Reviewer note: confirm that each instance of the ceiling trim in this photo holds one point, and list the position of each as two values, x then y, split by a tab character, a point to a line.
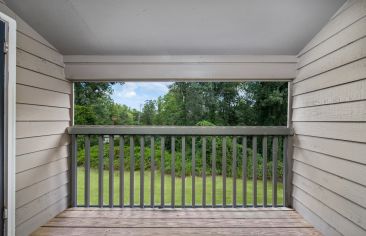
180	68
179	58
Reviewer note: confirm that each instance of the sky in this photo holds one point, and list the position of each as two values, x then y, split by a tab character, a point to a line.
133	94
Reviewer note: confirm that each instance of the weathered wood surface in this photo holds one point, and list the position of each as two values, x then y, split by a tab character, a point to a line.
177	231
248	221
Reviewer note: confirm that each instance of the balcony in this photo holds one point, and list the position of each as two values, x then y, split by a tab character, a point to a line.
185	193
304	179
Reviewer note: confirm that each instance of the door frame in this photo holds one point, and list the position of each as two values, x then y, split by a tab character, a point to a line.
9	124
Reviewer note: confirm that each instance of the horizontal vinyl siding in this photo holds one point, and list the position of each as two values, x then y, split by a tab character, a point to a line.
349	190
26	112
35	191
34	159
32	129
32	144
351	151
39	219
43	114
348	209
314	219
329	120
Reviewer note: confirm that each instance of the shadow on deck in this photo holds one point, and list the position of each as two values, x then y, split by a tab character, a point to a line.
206	221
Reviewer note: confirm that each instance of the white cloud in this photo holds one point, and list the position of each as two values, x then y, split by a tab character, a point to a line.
133	94
127	90
129	94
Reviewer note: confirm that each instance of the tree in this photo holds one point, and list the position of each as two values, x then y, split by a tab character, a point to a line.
87	93
148	113
269	101
93	103
188	103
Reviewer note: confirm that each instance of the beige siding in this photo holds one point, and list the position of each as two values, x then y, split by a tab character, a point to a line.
43	114
329	119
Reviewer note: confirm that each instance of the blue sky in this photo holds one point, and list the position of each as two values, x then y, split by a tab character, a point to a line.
133	94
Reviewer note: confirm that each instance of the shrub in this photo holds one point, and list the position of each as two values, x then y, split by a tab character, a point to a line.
94	160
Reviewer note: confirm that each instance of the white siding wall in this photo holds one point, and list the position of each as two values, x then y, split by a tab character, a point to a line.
329	118
43	114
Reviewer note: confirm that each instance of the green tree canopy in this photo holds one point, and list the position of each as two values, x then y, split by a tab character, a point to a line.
188	103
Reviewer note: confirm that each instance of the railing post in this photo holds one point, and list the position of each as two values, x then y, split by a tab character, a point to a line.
234	170
254	171
244	170
74	155
100	170
132	172
173	171
204	171
152	176
287	186
274	171
224	171
264	174
111	170
121	171
183	171
162	177
287	169
87	171
193	172
213	158
142	167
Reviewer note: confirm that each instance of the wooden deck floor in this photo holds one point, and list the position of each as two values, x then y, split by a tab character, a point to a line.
148	222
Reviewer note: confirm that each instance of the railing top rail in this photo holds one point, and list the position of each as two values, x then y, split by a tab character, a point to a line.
181	130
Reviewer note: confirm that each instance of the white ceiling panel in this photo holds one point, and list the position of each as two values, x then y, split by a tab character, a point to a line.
177	27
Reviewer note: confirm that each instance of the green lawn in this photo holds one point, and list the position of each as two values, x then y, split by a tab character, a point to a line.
167	189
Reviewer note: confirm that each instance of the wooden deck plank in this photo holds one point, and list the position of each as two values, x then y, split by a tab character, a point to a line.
178	221
181	209
180	214
47	231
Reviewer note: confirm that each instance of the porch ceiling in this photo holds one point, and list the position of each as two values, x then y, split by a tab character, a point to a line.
176	27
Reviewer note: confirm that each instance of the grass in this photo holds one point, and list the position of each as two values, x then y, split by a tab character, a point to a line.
168	187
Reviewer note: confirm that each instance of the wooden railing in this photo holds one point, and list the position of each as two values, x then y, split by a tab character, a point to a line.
234	149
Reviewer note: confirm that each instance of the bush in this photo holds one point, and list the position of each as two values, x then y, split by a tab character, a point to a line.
94	160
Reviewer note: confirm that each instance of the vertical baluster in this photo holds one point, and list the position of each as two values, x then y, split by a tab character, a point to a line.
204	171
213	171
132	171
287	167
142	167
274	171
254	171
264	174
111	170
100	170
173	171
152	180
193	171
183	171
224	171
244	170
87	171
121	171
74	187
284	171
234	171
162	172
